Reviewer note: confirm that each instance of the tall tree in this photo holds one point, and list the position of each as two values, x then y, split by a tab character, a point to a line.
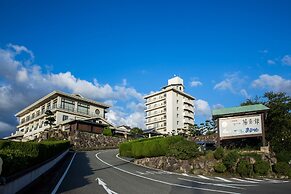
278	122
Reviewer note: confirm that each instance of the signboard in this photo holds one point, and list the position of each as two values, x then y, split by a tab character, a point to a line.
240	126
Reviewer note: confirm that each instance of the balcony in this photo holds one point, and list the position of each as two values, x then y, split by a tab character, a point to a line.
156	100
190	102
188	114
66	109
155	121
156	114
156	106
188	108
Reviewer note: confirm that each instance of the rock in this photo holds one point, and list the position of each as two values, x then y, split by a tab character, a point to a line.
252	160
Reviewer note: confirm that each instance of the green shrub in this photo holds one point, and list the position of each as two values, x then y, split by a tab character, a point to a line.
244	168
261	167
218	153
149	147
283	156
230	160
282	168
22	155
220	168
256	156
184	150
107	131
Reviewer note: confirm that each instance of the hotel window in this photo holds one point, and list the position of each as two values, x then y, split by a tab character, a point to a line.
32	116
22	120
42	109
37	113
68	104
65	117
177	122
83	108
48	107
27	118
177	115
55	103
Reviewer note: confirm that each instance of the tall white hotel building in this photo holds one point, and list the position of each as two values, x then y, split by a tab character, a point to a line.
170	110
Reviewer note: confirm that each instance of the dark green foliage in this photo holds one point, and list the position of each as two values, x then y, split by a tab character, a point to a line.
18	156
244	168
148	147
136	131
282	168
184	150
261	167
278	122
218	153
220	168
230	160
283	156
256	156
107	131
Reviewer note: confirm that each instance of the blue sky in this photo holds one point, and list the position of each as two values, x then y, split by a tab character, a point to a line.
118	51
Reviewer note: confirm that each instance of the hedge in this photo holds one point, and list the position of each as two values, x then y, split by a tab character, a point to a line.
150	147
262	167
244	168
220	168
230	160
282	168
184	150
18	156
218	153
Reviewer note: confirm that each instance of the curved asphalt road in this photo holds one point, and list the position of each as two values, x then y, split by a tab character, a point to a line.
105	172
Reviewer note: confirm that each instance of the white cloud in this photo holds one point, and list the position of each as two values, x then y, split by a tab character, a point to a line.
19	49
195	83
119	117
286	60
224	85
136	107
217	106
202	108
232	82
271	62
245	94
273	83
265	51
21	83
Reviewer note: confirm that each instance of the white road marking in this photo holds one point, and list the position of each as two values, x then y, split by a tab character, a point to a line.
163	182
275	181
256	180
103	184
225	180
213	184
62	178
242	180
204	177
140	172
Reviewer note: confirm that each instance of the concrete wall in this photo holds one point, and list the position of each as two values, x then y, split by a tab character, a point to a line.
21	182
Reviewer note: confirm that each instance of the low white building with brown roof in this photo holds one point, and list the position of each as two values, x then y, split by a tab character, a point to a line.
63	106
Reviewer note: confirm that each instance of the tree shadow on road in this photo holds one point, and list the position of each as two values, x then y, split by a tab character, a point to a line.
78	175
